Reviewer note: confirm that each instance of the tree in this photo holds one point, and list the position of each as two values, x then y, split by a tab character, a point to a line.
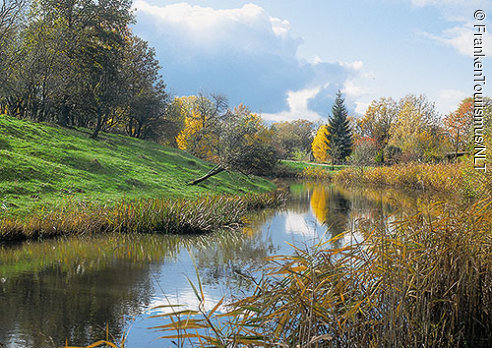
417	130
377	121
245	145
365	152
70	70
146	98
202	117
293	138
339	130
458	125
321	144
11	15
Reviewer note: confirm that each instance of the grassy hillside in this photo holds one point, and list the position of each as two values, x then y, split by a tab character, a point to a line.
43	166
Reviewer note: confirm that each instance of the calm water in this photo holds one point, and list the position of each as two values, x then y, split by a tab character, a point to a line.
72	289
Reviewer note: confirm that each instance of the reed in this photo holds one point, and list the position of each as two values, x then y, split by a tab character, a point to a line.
179	216
422	281
315	173
456	177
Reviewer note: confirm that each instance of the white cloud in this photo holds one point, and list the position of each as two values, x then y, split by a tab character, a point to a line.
353	90
243	53
462	39
280	27
449	99
357	65
297	107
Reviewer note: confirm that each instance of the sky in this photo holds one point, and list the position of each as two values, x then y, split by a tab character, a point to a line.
286	59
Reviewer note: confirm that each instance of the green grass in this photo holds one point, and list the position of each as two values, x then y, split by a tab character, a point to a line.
299	166
44	166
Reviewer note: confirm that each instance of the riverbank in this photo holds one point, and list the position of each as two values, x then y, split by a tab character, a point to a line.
172	216
56	181
45	167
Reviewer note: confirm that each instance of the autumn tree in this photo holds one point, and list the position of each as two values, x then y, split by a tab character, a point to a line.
293	138
339	130
417	130
321	144
459	124
377	122
245	144
202	116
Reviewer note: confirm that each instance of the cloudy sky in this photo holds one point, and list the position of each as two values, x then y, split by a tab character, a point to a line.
287	58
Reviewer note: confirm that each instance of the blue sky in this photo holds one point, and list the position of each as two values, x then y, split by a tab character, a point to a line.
287	58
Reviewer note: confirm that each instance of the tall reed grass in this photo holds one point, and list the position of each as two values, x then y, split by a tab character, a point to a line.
180	216
422	281
455	177
314	173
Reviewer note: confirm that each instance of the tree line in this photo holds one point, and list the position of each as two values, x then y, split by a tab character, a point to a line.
77	63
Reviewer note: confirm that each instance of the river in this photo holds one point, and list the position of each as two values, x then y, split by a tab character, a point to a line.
71	290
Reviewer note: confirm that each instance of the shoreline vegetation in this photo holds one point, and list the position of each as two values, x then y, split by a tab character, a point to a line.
172	216
419	281
457	178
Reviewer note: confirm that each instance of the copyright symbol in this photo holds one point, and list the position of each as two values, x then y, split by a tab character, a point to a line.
479	15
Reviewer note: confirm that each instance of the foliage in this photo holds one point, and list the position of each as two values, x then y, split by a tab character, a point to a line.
293	138
76	63
340	143
202	116
246	143
315	173
377	122
364	152
321	144
417	130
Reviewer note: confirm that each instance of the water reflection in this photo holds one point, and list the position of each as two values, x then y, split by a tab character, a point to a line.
72	288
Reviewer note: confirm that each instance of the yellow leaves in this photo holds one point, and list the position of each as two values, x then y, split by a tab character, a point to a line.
193	123
320	144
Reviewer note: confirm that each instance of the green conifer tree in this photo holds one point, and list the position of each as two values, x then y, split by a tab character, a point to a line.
339	130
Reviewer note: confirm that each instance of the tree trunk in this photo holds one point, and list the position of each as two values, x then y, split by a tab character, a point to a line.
214	171
98	125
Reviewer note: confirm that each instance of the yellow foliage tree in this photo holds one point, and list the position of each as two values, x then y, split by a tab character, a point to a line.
321	143
196	136
416	130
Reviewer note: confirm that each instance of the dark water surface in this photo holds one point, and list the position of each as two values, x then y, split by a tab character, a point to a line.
72	289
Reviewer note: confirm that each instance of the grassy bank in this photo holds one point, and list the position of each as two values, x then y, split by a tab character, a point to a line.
47	167
176	216
449	178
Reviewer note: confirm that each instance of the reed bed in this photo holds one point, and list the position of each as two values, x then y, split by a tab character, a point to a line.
436	177
180	216
422	281
313	173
